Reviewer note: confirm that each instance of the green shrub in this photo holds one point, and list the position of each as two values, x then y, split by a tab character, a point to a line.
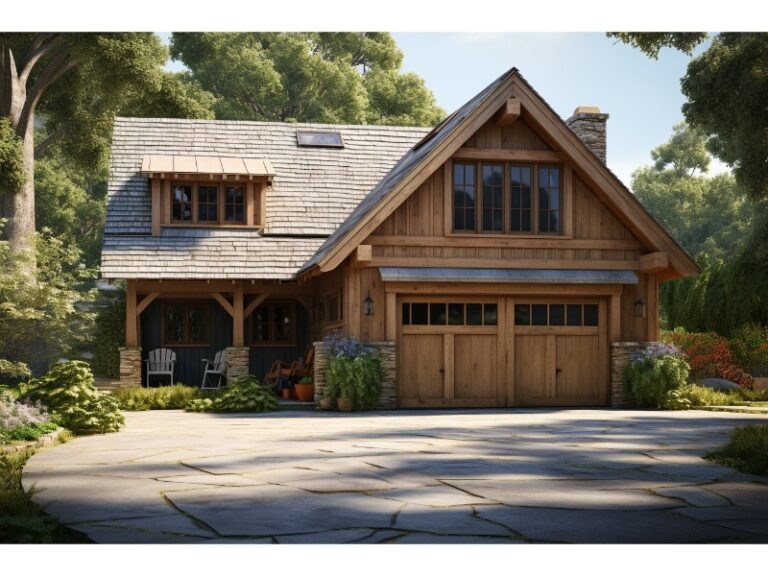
749	347
653	375
69	393
245	394
747	449
109	335
27	432
703	396
174	397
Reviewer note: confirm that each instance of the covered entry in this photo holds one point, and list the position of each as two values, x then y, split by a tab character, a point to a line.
521	344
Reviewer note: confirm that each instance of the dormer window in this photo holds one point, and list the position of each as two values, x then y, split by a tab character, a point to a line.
207	191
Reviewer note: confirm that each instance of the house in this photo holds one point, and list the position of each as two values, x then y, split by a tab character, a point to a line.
495	259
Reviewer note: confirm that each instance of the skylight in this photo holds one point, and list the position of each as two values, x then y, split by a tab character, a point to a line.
319	139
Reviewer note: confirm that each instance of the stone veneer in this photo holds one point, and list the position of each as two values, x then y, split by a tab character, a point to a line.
590	125
130	366
621	354
388	397
237	362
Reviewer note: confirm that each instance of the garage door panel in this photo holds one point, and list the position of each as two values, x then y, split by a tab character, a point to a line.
475	366
534	367
578	377
422	367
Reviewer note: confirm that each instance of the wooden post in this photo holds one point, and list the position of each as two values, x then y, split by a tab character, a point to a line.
238	336
131	317
353	302
614	331
391	317
157	207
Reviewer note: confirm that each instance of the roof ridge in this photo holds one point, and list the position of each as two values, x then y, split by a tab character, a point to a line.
255	123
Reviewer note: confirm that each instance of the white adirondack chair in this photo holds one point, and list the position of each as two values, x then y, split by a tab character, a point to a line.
215	367
161	361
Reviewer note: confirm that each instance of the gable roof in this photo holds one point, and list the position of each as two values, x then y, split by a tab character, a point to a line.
418	163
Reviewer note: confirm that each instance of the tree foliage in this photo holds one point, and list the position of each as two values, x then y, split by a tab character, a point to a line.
12	174
725	87
307	77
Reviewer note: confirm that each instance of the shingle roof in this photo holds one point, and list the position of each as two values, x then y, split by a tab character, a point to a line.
314	189
180	253
407	163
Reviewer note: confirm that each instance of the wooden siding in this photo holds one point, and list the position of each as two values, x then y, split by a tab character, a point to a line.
516	136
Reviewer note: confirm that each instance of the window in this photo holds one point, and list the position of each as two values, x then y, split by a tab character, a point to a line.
274	324
512	198
333	306
234	204
463	196
210	203
207	204
182	203
308	139
185	324
451	314
556	315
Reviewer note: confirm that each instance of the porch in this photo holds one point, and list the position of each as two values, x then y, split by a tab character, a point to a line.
256	322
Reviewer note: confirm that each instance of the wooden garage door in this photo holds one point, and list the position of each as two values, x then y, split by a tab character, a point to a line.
449	353
560	358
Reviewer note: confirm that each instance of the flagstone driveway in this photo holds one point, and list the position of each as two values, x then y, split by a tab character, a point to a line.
469	476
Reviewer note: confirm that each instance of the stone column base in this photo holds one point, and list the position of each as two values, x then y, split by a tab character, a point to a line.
238	360
130	366
621	354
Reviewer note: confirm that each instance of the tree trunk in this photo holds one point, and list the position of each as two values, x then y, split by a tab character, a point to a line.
19	206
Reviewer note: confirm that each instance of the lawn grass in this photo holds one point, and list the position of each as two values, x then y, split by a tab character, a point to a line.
21	520
703	396
747	450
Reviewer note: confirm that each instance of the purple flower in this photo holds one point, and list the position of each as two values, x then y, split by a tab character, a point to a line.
655	350
339	345
14	413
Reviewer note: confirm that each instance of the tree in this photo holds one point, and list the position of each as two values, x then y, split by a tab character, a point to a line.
725	87
706	215
307	77
77	83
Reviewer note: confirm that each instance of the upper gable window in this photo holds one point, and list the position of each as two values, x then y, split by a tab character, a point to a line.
513	199
312	139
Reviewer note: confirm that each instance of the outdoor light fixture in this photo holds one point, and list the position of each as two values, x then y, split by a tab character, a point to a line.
640	309
368	305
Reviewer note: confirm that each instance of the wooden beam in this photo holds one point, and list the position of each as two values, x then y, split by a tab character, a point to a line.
157	207
508	155
352	301
424	262
614	330
391	317
250	201
654	262
166	201
509	112
148	299
238	321
224	303
508	241
253	304
362	255
131	317
652	308
573	291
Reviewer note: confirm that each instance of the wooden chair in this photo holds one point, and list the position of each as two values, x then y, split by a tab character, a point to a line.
215	367
161	361
295	370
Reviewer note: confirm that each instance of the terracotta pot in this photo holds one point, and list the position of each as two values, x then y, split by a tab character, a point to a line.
759	383
344	404
305	392
286	393
293	394
326	403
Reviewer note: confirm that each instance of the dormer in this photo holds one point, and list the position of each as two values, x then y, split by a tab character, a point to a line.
207	191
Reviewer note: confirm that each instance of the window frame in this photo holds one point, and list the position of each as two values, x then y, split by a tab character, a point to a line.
507	232
271	342
253	203
204	305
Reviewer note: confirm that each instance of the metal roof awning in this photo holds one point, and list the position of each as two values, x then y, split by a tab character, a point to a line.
473	275
210	165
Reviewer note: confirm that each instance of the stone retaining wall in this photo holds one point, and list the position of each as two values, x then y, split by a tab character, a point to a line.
237	362
388	397
130	366
621	354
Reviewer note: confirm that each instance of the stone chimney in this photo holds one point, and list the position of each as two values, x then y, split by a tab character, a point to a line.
589	124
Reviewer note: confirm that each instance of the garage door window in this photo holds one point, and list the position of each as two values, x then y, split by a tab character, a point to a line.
452	314
556	315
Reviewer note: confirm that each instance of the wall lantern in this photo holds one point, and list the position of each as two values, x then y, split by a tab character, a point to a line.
368	305
639	309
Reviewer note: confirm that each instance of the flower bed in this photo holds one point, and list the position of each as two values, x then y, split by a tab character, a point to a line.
20	420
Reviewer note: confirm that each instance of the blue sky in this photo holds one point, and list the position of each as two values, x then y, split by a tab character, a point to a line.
641	95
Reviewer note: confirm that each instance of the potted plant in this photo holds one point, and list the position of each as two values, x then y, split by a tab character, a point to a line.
326	403
354	373
305	389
